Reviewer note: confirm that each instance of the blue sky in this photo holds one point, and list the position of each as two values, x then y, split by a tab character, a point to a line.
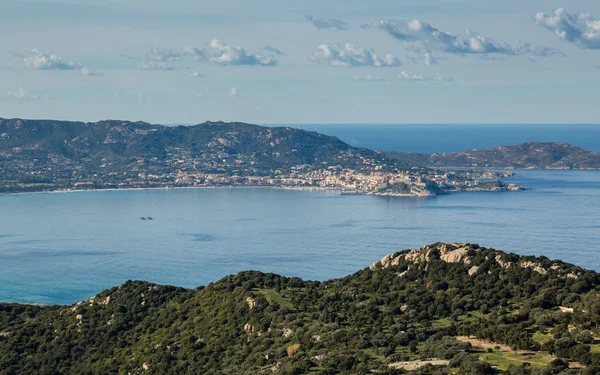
326	61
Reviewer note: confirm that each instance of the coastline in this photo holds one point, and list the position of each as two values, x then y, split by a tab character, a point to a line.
66	191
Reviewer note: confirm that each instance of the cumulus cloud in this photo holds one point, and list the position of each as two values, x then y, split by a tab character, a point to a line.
90	73
470	43
169	54
406	76
580	29
155	65
216	52
368	77
41	61
348	56
331	23
417	31
234	93
21	94
424	55
226	54
38	60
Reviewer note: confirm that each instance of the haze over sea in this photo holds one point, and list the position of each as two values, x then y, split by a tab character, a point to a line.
61	248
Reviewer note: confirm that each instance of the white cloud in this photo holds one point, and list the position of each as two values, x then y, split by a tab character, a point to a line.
236	94
155	65
21	94
331	23
91	73
368	77
226	54
439	77
216	52
41	61
580	29
417	31
349	56
406	76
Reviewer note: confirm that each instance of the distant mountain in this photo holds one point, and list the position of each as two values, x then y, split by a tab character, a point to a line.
121	144
460	307
534	155
56	154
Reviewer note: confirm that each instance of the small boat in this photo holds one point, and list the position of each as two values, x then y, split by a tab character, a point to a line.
150	218
143	218
349	192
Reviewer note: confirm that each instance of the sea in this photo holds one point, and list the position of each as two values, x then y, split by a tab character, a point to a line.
61	248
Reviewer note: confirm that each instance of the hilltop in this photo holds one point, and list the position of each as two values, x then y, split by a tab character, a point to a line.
532	155
47	155
460	307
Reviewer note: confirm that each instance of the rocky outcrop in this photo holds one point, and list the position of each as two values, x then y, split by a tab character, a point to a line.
251	302
464	253
451	253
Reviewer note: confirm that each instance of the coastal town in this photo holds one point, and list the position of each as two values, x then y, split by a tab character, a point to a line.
125	155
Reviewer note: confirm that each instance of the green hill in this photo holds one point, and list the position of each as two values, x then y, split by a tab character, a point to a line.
438	302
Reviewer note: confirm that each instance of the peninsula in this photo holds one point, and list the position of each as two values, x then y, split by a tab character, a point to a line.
47	155
529	155
441	309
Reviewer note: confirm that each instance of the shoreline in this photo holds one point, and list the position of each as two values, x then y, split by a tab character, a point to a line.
66	191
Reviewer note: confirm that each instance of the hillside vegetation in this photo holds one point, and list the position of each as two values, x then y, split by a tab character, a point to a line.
425	311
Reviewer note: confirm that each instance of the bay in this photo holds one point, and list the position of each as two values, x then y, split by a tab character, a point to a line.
66	247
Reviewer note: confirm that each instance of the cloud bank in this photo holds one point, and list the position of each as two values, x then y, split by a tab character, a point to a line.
471	43
580	29
331	23
349	56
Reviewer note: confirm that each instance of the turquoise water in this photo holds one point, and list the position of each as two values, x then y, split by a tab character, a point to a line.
65	247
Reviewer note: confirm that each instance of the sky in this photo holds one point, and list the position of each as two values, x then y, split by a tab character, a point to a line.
309	61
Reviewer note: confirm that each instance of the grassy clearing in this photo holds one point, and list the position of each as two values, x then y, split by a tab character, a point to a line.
503	359
272	295
595	348
541	338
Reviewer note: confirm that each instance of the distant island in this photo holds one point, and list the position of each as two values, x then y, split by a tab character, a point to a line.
48	155
442	309
529	155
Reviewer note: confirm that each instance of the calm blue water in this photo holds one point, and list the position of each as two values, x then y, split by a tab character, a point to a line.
61	248
451	138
